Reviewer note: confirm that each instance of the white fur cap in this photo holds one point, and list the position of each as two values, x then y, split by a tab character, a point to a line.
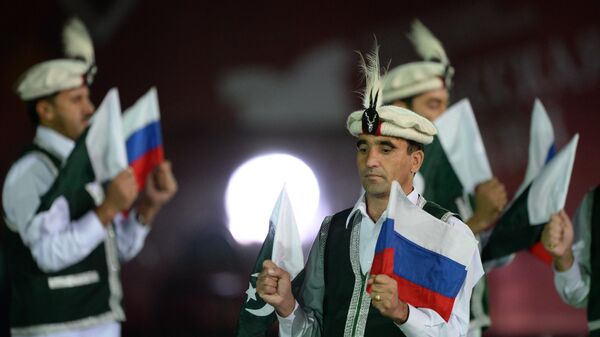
50	77
396	122
415	78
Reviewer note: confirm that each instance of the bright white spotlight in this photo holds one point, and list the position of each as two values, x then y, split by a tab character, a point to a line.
254	187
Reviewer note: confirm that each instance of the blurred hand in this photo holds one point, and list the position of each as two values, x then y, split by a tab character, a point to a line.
160	185
490	200
557	238
274	286
120	195
159	189
384	297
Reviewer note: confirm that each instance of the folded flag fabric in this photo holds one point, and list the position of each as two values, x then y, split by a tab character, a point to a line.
427	257
141	127
283	246
456	162
519	226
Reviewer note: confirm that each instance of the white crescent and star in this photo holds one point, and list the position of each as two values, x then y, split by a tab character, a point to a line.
266	310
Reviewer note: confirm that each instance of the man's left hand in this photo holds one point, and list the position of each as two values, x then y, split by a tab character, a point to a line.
159	189
384	297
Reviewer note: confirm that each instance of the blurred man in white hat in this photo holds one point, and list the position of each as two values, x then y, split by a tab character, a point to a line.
334	299
60	261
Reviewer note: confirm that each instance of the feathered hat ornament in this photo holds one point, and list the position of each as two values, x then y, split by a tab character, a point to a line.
430	48
78	67
78	44
385	120
372	94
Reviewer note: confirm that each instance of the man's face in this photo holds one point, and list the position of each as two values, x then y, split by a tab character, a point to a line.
68	113
430	105
381	160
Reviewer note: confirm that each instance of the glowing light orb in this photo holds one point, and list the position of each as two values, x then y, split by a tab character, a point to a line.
254	188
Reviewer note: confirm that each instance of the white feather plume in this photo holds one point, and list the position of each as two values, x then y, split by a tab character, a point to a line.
371	71
77	41
426	44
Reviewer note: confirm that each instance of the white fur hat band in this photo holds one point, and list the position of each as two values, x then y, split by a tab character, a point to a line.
391	121
53	76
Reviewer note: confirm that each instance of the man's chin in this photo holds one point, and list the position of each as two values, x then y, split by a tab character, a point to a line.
378	189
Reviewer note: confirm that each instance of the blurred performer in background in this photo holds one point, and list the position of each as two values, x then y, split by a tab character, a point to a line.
575	252
64	272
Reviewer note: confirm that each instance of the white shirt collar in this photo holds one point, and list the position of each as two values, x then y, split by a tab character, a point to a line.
54	142
361	205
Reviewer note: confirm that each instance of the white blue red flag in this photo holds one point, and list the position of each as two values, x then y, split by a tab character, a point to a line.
143	137
427	257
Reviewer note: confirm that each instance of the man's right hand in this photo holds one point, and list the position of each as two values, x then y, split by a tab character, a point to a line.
120	194
557	238
490	200
274	287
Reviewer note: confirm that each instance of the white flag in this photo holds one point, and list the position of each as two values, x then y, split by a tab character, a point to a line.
460	137
287	247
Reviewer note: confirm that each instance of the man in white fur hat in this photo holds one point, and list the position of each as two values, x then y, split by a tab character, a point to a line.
334	301
64	273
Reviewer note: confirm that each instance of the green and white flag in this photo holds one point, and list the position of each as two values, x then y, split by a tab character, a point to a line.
99	155
283	246
542	149
519	226
456	162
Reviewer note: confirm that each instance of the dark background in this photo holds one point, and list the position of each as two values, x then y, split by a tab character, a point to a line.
237	79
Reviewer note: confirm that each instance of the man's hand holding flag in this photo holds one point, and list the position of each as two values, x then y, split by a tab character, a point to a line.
279	267
426	257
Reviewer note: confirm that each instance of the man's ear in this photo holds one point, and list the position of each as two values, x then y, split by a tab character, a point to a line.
417	160
45	111
400	103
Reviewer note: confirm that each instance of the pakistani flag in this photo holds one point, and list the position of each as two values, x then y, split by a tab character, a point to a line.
519	226
455	162
542	148
283	246
98	156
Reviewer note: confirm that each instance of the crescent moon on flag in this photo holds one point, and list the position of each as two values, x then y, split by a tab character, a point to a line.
266	310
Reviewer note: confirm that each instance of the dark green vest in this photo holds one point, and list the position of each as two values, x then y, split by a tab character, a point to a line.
48	302
593	309
339	280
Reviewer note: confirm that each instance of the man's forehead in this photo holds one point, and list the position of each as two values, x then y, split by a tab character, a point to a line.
75	91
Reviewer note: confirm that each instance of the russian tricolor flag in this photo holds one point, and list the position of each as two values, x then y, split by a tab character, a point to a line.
141	127
427	257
